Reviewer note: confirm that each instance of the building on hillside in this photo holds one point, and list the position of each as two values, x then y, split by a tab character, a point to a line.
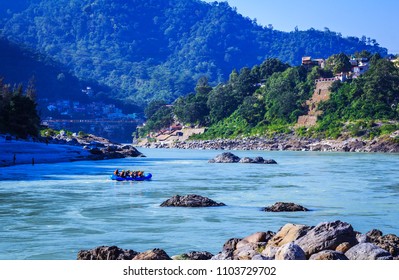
343	76
308	62
359	66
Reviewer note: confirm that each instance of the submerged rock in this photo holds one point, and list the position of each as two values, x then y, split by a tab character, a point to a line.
285	207
191	200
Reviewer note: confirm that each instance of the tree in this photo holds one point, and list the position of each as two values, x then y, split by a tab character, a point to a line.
252	109
193	107
162	118
153	107
221	103
284	95
338	63
18	114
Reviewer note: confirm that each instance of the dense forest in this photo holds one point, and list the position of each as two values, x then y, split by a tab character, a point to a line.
144	50
268	98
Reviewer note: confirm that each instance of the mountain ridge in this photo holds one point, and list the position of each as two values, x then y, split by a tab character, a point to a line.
145	50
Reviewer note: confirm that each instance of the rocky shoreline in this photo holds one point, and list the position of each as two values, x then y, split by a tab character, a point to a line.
385	144
99	148
334	240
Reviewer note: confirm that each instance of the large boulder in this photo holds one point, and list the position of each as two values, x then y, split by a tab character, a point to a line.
256	238
248	251
247	160
225	158
191	200
194	256
106	253
154	254
389	242
367	251
224	255
284	207
231	244
270	252
326	236
343	247
290	251
328	255
252	245
288	234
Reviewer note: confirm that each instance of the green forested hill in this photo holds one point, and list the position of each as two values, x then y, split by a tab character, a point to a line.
268	99
156	49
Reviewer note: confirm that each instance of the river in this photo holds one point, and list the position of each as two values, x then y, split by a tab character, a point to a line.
51	211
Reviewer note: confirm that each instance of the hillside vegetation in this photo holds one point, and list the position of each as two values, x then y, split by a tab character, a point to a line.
154	49
268	98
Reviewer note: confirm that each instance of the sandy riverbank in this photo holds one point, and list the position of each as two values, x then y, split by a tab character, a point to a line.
16	152
25	152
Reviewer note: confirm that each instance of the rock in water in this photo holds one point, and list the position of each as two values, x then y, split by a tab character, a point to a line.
225	158
257	160
106	253
191	200
231	158
285	207
247	160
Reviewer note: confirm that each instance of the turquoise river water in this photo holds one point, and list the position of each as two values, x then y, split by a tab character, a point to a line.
51	211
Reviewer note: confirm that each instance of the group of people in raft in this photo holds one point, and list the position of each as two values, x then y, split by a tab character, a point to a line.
129	174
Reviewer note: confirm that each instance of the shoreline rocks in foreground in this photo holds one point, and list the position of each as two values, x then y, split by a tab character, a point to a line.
335	240
228	157
191	200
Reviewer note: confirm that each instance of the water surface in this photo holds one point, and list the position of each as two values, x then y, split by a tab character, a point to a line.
51	211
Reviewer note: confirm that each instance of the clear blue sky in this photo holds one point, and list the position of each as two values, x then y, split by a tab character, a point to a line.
375	19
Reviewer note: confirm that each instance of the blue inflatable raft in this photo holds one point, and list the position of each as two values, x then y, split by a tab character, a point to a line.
146	177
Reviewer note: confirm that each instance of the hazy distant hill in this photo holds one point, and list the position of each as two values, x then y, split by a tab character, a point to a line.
146	49
52	80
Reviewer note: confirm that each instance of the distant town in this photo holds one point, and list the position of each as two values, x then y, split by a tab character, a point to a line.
94	117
